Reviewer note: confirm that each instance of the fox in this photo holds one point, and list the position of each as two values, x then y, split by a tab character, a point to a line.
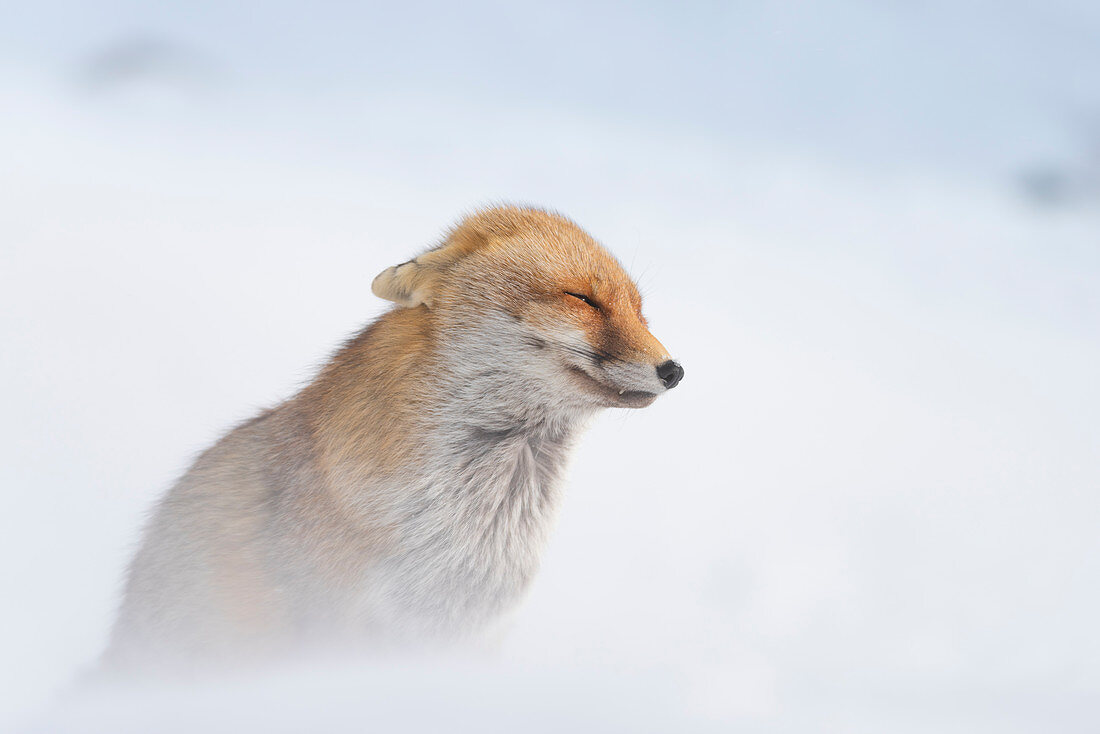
404	496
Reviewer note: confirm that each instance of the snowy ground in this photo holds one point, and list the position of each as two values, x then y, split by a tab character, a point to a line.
872	505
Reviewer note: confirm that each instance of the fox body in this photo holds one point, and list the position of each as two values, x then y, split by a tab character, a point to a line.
406	493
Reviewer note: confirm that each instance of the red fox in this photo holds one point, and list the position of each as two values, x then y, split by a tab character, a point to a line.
406	493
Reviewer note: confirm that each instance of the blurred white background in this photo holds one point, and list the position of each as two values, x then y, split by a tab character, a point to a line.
871	233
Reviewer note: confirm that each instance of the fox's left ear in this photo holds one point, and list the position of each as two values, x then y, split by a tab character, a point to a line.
408	284
415	282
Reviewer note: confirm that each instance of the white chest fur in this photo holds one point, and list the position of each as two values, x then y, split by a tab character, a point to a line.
472	528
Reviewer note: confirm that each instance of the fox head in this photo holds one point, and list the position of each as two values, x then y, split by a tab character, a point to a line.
525	304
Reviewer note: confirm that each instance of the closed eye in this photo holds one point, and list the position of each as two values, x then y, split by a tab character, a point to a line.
586	299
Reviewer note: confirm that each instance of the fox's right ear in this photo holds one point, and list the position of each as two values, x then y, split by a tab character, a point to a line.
415	282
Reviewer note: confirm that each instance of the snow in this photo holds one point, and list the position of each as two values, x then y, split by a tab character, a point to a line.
871	505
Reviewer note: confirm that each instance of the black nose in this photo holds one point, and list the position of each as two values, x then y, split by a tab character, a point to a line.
670	373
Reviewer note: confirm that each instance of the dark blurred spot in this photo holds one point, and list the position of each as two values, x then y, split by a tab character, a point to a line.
1047	186
1074	179
147	59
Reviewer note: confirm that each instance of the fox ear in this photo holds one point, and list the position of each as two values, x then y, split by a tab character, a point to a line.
415	282
408	284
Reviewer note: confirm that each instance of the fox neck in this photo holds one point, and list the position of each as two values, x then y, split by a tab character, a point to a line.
410	397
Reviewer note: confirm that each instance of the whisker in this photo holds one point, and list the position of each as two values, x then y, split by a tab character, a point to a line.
589	353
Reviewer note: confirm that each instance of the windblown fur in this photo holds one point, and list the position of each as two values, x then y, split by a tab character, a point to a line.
403	496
